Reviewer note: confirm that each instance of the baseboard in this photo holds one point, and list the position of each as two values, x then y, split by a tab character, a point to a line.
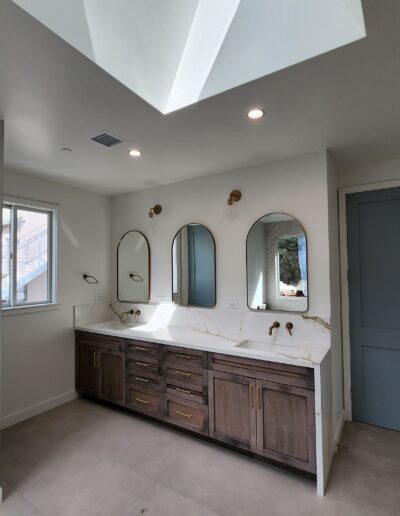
339	429
38	408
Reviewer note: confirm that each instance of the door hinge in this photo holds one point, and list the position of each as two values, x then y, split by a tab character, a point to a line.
345	216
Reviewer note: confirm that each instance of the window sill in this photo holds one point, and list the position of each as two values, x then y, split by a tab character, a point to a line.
29	309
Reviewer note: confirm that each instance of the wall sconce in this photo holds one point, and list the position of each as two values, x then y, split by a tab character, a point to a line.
234	196
155	210
90	279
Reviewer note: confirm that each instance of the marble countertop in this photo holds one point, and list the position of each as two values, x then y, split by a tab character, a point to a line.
290	352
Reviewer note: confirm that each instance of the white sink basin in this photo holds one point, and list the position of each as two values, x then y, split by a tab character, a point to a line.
116	325
262	346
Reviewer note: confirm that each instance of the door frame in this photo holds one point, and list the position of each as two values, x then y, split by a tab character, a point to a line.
343	192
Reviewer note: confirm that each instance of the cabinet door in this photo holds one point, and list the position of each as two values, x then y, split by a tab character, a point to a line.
232	409
285	424
112	376
87	376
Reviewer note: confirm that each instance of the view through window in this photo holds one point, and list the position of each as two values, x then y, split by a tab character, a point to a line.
26	256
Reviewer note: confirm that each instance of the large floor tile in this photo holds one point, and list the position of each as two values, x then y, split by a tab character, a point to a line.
92	488
159	501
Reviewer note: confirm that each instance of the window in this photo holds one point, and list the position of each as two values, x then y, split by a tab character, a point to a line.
27	255
292	260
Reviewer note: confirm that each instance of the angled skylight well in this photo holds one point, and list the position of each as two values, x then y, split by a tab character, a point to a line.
245	40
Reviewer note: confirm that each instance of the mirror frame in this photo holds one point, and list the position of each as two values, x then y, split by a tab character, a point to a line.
149	265
215	268
247	268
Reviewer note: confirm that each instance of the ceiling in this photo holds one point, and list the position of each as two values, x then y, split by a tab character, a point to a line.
52	96
177	52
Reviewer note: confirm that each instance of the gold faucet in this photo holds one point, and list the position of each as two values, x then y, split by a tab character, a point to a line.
275	324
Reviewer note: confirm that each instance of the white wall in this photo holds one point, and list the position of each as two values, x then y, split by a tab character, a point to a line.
369	173
297	186
335	293
38	348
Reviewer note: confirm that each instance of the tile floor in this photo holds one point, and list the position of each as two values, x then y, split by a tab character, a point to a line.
85	458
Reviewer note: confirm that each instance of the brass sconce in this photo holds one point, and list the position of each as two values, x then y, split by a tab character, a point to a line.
156	210
234	196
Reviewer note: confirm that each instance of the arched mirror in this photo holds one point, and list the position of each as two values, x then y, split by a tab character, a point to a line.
193	267
277	264
133	270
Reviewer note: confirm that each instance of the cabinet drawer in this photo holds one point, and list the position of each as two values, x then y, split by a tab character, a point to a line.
148	402
101	341
187	415
262	370
146	365
146	381
143	349
182	357
195	394
184	377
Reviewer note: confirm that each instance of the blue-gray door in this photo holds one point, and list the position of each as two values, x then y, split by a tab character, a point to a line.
373	224
201	261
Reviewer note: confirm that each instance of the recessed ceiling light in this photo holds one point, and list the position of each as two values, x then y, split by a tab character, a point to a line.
253	114
135	153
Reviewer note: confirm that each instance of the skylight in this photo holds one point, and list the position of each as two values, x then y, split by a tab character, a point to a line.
173	53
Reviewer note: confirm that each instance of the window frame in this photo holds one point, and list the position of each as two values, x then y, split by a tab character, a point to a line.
51	211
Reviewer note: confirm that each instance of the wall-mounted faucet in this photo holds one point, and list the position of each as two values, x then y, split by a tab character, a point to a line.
276	325
289	327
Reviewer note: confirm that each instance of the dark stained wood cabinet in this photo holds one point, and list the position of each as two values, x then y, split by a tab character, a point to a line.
111	366
232	409
100	367
285	424
87	378
261	407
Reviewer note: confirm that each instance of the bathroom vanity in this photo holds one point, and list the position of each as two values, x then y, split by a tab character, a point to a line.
259	400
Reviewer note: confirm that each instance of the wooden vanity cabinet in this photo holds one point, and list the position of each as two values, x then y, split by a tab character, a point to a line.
286	425
100	367
265	408
232	409
261	407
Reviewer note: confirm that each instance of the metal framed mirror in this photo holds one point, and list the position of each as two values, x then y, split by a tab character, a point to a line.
133	268
193	267
277	272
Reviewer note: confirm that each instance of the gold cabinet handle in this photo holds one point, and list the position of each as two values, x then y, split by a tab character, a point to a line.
143	364
143	401
181	355
183	414
259	398
182	373
144	380
186	391
140	348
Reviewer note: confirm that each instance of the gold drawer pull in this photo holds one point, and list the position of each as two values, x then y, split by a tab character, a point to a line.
182	373
189	416
144	380
142	364
140	348
180	355
143	401
186	391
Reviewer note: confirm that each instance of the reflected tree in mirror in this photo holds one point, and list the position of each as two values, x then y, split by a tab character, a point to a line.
193	267
133	280
277	277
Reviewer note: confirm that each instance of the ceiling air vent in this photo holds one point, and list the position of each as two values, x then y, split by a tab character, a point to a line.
106	139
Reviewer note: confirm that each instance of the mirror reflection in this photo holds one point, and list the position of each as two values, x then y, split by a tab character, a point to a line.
277	264
133	281
193	267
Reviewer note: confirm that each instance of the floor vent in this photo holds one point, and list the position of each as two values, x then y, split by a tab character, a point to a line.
106	139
